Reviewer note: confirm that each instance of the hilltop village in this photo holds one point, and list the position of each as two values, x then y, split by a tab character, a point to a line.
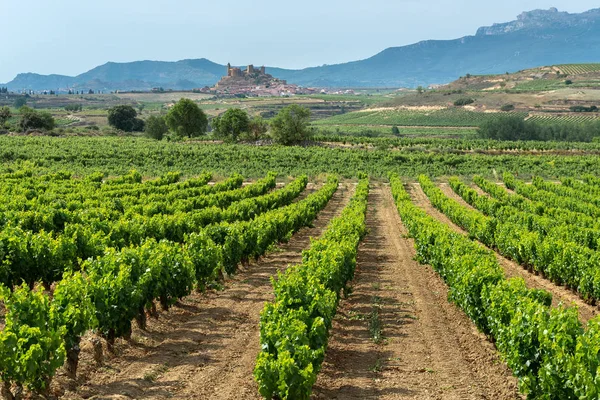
254	82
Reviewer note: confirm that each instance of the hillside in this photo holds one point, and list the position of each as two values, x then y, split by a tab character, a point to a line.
540	37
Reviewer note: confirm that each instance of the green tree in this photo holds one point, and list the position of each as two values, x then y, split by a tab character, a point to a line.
124	117
258	127
291	125
5	114
395	130
20	101
156	127
32	119
187	119
231	124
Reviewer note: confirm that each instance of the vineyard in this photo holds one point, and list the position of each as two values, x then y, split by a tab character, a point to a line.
299	285
562	118
575	69
448	117
437	157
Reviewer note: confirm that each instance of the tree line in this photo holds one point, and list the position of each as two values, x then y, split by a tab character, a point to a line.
515	128
186	120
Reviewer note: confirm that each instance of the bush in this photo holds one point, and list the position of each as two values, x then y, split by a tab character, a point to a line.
156	127
568	82
123	117
395	131
583	109
20	102
32	119
507	107
73	107
463	101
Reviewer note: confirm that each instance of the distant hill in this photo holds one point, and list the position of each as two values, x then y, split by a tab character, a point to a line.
540	37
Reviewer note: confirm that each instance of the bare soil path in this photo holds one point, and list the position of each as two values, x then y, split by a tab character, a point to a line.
206	347
512	269
429	348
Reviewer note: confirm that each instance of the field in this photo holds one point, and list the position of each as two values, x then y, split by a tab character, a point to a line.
575	69
562	118
436	116
367	263
157	283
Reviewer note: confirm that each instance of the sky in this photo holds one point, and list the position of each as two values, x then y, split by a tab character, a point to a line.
69	37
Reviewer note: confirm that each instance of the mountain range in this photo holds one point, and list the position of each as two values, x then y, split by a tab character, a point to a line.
535	38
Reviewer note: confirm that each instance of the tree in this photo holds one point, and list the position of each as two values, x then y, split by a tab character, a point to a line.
420	89
395	130
5	114
20	101
231	124
32	119
156	127
258	127
290	125
187	119
123	117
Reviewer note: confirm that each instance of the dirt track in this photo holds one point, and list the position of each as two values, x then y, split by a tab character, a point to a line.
560	294
429	350
206	347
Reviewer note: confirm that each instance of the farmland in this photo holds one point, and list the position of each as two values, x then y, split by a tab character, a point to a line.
365	262
445	117
153	261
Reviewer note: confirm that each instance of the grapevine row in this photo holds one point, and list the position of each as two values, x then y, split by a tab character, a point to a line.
547	349
121	285
294	328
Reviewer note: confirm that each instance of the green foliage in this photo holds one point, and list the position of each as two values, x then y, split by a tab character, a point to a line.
32	119
156	127
73	107
515	128
124	117
31	343
258	127
187	119
546	348
291	125
294	328
507	107
395	131
5	114
20	102
233	123
451	116
463	101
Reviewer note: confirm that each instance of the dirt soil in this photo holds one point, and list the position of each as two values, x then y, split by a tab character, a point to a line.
429	349
560	294
206	346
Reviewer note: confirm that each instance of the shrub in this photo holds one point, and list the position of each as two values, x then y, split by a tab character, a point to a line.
463	101
507	107
32	119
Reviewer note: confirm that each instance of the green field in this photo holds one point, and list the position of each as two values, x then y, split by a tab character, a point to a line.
565	118
451	117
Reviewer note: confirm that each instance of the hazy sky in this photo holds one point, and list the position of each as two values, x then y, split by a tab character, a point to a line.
72	36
